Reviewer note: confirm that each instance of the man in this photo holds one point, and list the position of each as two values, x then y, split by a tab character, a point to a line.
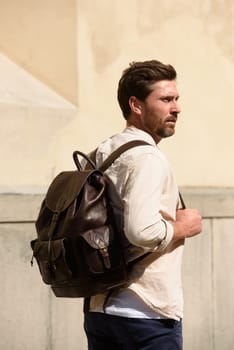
147	314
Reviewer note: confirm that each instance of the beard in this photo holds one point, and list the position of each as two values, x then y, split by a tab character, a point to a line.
157	128
164	132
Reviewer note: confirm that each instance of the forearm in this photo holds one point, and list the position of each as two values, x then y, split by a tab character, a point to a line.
152	237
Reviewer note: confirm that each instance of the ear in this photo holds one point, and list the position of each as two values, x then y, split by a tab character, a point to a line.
135	105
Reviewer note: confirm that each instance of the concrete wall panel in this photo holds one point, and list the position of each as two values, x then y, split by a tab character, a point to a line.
223	283
24	303
198	291
33	318
67	324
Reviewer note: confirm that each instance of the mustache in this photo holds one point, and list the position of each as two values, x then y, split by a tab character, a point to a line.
172	118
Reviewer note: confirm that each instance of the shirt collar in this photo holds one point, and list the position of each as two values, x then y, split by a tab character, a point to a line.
142	135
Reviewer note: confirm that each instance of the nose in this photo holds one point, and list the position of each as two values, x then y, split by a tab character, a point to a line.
175	107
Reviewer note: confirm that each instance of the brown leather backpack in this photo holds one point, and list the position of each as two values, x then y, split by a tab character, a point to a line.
81	249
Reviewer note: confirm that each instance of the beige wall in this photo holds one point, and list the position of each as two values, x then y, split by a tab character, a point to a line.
76	51
197	37
40	36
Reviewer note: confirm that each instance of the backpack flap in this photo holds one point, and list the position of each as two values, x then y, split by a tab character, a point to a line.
97	258
70	205
65	188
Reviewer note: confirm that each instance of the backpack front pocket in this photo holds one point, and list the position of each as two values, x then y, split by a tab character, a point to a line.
53	260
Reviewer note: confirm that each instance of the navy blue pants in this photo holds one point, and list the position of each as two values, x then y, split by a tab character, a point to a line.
107	332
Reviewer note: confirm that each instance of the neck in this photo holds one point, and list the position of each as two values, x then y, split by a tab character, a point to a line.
156	138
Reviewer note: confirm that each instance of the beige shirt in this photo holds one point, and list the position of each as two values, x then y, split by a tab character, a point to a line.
147	185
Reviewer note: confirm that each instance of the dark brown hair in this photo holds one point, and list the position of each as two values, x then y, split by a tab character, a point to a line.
137	80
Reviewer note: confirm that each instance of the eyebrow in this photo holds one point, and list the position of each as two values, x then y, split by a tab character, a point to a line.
171	97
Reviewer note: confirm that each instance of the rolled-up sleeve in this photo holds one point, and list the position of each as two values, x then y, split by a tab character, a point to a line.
144	225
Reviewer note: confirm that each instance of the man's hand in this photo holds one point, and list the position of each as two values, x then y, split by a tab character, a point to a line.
188	223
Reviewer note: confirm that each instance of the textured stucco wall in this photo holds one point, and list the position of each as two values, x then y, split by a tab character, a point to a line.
41	37
77	50
197	38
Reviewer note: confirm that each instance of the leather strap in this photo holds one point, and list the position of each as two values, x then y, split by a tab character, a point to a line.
126	146
114	155
183	206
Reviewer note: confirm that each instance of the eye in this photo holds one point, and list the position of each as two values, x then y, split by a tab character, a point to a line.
166	99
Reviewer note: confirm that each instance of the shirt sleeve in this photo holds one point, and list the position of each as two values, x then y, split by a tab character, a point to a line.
144	225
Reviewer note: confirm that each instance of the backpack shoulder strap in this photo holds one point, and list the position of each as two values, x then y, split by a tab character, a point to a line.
114	155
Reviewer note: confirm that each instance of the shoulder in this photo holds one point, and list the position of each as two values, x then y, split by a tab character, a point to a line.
129	134
129	157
